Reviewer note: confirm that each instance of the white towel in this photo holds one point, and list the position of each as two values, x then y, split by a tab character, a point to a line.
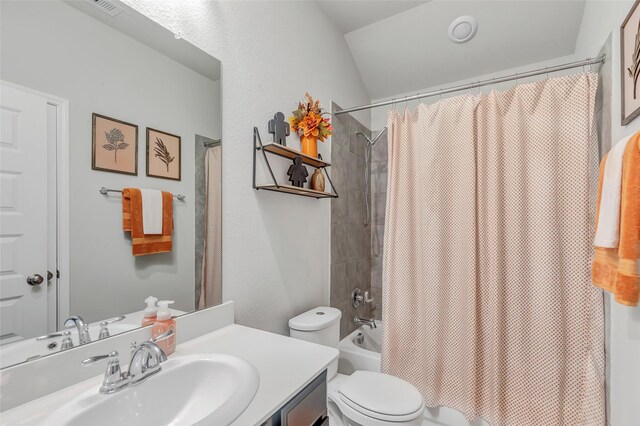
151	211
608	232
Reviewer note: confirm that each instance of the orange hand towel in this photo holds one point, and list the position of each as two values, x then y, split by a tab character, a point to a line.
132	222
618	269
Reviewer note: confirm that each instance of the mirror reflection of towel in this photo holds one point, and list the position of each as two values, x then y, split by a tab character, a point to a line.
151	211
132	221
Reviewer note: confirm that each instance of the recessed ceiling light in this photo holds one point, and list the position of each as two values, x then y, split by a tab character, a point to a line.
462	29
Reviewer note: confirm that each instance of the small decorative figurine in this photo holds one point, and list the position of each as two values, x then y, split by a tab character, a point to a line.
279	128
317	181
297	172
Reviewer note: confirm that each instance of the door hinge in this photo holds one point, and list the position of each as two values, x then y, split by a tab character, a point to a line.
57	274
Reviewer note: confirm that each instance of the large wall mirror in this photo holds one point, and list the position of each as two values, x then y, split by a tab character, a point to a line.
97	98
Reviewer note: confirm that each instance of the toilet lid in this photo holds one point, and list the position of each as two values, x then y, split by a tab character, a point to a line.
381	396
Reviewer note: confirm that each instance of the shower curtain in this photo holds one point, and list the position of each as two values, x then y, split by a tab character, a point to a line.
211	287
487	300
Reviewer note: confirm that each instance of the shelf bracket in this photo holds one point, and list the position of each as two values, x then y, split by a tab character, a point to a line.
257	140
333	188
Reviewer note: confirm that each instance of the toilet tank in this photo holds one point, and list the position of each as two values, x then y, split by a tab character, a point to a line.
320	325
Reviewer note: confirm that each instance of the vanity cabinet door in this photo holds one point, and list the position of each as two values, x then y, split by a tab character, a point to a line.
307	408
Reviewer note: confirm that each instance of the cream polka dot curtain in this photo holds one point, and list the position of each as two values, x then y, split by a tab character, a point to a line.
487	300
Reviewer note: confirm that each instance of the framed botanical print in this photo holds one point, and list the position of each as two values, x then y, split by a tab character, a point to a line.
114	145
163	154
630	64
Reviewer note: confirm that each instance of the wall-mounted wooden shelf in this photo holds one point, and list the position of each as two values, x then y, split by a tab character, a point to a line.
283	151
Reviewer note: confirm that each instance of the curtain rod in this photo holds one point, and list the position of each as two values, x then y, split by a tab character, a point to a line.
473	85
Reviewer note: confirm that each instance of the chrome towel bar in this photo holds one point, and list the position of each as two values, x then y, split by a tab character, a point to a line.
104	191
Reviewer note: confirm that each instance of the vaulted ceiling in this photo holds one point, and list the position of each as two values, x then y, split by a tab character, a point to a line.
402	46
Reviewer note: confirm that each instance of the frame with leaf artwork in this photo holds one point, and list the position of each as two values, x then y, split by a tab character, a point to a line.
630	65
163	154
114	145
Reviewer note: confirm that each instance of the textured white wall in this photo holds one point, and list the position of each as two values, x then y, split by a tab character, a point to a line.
275	246
601	19
54	48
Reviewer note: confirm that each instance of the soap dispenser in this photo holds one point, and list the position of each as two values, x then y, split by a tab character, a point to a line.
150	312
165	322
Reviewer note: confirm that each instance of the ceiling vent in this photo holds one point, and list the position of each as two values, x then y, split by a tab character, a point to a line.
108	7
462	29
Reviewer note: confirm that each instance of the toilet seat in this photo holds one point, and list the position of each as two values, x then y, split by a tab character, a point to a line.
380	396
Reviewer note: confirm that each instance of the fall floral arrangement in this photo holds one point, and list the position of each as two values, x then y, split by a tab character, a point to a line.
308	120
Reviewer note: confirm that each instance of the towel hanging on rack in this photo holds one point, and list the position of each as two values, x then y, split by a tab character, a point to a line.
616	264
142	244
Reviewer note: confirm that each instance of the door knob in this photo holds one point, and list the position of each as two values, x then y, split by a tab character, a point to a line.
35	279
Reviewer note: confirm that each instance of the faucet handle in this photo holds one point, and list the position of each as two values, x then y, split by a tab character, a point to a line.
112	320
104	331
113	355
368	299
358	297
66	343
49	336
163	336
113	377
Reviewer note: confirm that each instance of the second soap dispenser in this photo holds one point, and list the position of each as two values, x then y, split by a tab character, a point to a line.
164	323
150	312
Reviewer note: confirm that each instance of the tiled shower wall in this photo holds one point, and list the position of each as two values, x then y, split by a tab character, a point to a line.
350	238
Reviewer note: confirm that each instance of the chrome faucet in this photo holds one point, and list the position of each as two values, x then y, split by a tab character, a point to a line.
145	361
371	323
83	329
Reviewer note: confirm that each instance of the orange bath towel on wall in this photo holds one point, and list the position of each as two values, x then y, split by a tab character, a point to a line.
132	222
617	270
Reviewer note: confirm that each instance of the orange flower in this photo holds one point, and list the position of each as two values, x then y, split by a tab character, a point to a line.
308	120
309	124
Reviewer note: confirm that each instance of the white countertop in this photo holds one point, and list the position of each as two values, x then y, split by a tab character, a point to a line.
285	365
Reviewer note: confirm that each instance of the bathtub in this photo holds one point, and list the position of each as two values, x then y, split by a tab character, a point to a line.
360	350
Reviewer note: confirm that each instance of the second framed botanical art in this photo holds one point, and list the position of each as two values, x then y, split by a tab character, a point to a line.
163	154
630	64
114	145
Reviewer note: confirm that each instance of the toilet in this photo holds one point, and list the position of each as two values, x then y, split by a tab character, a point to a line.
365	398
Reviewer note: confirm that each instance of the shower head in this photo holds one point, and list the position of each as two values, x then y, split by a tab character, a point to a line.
367	170
373	141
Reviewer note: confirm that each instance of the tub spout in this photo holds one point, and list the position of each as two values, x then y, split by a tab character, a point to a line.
371	323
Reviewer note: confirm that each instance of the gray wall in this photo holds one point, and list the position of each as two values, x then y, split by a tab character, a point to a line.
54	48
350	238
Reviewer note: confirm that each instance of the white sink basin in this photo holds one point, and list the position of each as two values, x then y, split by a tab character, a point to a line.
194	389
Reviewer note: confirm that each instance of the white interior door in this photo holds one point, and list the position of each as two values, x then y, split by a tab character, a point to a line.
23	214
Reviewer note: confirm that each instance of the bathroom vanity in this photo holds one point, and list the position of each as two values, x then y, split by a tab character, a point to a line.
292	373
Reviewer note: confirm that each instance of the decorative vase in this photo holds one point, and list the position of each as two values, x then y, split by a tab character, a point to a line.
309	145
317	181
